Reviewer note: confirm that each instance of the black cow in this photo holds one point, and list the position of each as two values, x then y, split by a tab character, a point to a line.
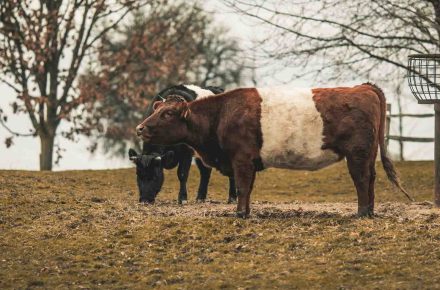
154	158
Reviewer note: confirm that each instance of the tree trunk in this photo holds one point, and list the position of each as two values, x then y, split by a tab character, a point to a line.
46	155
436	5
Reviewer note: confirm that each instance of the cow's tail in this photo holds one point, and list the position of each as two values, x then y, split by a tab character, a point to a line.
387	164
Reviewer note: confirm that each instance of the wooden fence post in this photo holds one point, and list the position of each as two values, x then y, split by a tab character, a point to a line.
437	155
387	133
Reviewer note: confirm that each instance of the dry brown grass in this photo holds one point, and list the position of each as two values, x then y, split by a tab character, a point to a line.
85	229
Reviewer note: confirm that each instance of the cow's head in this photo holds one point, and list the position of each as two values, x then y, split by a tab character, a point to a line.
167	124
149	171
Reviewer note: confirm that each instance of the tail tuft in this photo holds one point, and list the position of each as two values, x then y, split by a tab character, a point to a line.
388	166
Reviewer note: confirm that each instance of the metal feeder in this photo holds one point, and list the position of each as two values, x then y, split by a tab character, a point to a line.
424	82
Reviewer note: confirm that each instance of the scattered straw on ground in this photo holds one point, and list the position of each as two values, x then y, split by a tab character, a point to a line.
86	230
211	208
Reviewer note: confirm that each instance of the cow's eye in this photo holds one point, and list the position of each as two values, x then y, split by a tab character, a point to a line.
168	113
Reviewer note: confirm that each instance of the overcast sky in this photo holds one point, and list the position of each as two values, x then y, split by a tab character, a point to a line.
24	153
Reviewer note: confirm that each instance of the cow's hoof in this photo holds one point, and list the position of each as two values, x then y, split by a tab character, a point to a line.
146	202
365	212
242	214
200	200
232	200
183	201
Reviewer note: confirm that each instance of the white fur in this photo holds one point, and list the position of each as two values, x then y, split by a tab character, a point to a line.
201	93
292	130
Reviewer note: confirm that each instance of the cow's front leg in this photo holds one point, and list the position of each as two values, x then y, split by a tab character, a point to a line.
182	174
232	191
244	174
205	174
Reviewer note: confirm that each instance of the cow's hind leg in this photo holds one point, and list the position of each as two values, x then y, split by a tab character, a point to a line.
360	150
205	174
372	163
371	188
359	169
182	174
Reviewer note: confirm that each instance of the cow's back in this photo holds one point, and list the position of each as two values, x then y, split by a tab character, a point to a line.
292	130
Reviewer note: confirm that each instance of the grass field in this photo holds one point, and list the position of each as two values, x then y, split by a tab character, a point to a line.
85	229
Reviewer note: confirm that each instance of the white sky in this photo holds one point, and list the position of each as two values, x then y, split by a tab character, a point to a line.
24	154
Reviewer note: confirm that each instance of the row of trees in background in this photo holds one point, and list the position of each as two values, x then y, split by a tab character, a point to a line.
94	64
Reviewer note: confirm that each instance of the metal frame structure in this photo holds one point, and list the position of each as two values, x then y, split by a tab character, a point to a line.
424	77
424	82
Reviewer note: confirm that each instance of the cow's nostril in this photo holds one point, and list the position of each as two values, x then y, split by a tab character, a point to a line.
139	129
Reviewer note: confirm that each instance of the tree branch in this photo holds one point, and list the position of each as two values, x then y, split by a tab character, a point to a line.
16	133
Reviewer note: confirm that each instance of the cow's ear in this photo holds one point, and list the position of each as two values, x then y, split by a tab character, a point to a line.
184	114
156	105
132	154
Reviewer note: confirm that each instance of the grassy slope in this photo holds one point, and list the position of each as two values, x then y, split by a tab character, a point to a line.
85	229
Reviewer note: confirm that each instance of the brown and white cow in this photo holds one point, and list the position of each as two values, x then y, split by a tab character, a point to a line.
246	130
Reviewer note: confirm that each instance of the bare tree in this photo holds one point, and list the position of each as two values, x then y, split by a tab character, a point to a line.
341	39
42	46
170	44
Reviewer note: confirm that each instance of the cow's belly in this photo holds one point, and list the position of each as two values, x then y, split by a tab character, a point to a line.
292	130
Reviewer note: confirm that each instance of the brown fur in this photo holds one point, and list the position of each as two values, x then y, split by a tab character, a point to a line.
225	131
387	164
354	121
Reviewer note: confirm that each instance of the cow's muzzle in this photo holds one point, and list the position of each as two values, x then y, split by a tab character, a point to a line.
139	129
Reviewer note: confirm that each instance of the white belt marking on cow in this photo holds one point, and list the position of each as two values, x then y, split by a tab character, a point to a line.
292	130
201	93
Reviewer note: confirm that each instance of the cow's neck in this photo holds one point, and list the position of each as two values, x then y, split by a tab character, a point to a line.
202	124
202	121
